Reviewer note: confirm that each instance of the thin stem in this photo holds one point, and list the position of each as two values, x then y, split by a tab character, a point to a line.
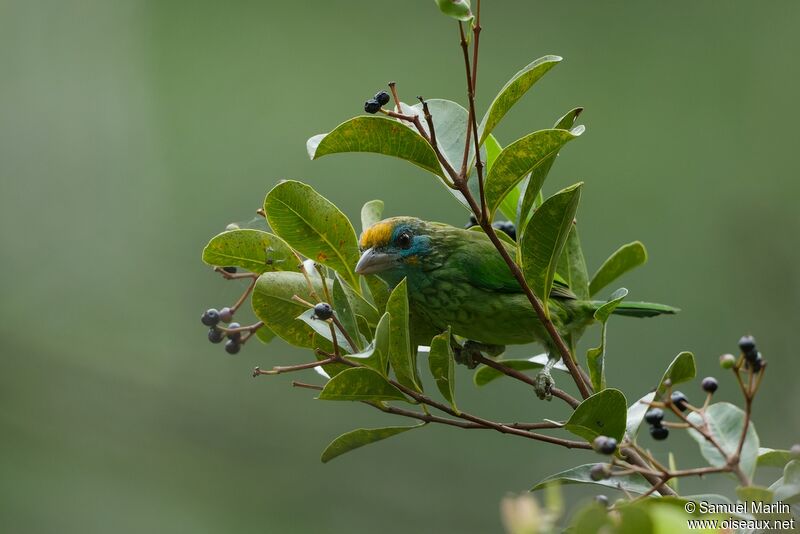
393	89
324	279
476	36
234	276
244	295
303	385
522	377
292	368
336	352
347	337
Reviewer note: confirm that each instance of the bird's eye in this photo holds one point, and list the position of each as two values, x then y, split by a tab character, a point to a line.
404	240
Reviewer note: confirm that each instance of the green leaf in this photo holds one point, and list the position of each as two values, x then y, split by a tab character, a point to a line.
376	355
401	357
371	212
440	361
725	423
593	519
344	311
450	121
754	493
264	334
634	483
457	9
513	90
532	196
681	369
595	358
567	122
486	374
635	415
379	291
533	154
602	414
323	329
379	135
359	304
774	457
314	226
572	266
787	488
272	303
360	384
620	262
252	250
493	149
330	369
364	327
542	246
360	437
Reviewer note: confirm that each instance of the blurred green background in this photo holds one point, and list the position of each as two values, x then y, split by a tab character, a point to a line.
133	131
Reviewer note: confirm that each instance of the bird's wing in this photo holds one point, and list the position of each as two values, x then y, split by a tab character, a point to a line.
477	260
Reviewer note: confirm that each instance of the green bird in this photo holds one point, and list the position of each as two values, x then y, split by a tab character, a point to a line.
457	279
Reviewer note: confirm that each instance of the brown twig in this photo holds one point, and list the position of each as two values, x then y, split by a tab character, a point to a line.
522	377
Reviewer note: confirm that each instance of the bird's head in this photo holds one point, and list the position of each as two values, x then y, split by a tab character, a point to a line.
397	247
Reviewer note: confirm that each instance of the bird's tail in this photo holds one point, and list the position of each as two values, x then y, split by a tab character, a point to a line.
640	309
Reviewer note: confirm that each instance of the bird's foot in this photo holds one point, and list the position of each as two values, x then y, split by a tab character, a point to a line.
469	354
543	384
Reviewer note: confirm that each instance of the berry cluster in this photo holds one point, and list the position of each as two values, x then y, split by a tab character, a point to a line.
212	318
654	417
507	227
374	105
747	344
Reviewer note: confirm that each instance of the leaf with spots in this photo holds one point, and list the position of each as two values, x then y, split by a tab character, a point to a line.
252	250
379	135
273	304
313	226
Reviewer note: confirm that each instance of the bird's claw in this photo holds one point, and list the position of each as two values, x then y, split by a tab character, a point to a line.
544	384
466	355
470	353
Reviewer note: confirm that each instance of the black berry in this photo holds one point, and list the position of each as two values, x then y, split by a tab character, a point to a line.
602	500
232	346
215	335
210	317
604	445
372	106
654	416
323	311
230	270
225	314
747	344
599	472
757	364
234	336
507	228
727	361
472	222
659	433
709	384
679	400
382	97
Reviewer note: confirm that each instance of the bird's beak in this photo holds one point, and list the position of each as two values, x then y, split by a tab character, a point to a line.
372	261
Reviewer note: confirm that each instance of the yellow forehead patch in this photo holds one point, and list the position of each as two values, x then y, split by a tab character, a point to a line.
377	235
